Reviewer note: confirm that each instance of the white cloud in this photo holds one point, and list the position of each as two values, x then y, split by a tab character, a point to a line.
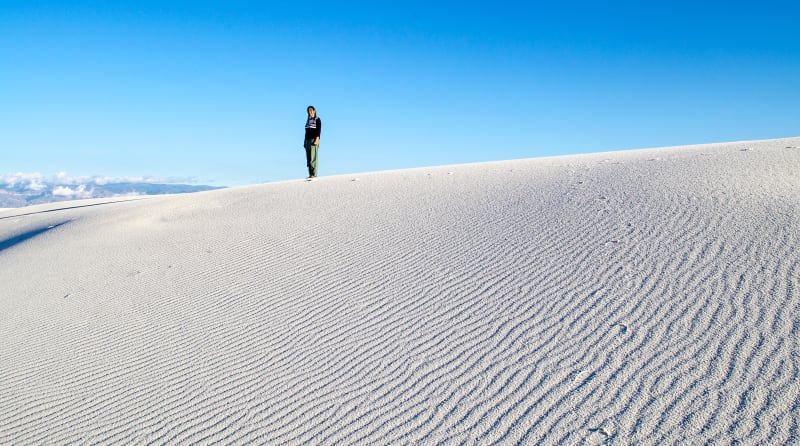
78	192
29	181
62	191
36	186
36	181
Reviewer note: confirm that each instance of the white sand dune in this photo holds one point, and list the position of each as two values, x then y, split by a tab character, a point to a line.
640	297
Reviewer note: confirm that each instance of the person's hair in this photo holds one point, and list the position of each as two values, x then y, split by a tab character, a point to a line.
311	107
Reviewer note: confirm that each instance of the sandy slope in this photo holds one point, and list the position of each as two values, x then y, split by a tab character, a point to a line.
646	297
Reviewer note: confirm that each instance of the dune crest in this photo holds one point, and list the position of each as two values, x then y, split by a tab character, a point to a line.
646	297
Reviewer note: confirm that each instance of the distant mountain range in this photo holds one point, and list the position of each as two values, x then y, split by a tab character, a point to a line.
28	192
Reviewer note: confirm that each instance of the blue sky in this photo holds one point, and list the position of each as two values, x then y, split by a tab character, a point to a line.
215	91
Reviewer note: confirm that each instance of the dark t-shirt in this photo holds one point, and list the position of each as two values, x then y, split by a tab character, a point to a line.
313	128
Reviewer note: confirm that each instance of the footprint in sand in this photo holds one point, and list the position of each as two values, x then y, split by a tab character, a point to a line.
599	435
600	430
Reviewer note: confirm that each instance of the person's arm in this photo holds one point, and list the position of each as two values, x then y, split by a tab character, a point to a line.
319	131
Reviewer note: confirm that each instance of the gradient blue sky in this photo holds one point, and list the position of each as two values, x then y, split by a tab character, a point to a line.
216	91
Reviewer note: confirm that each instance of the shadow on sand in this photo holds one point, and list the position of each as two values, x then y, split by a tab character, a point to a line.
5	244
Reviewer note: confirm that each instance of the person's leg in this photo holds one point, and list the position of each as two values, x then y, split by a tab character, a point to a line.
307	144
313	161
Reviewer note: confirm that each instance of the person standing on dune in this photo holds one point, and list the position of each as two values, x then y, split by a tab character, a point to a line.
311	142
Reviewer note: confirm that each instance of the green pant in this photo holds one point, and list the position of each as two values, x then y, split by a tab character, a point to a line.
311	156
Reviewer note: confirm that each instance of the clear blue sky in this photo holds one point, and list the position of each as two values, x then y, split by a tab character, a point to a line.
217	91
